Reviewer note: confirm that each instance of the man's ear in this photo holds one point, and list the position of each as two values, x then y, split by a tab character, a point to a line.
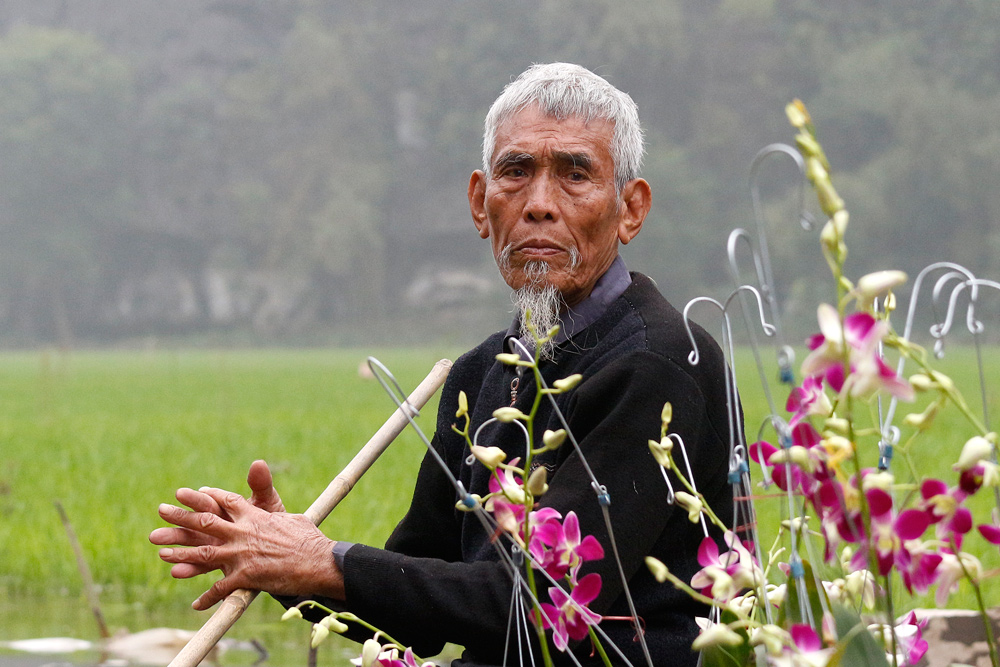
637	198
477	202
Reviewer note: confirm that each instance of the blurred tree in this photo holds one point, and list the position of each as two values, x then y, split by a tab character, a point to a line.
66	130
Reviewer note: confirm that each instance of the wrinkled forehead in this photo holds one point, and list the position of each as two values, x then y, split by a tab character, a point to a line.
532	130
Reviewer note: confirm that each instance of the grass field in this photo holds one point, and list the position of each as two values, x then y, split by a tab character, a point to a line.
113	434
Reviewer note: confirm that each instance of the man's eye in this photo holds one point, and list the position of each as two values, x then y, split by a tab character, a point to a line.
577	176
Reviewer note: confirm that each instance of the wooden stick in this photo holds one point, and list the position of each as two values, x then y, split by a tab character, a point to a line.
237	602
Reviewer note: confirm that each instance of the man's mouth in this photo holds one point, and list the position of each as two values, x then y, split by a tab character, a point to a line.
538	249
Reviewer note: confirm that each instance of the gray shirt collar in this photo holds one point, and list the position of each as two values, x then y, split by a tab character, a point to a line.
608	287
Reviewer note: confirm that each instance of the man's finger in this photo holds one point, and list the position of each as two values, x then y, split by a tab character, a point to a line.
199	502
181	537
218	591
200	522
233	504
262	485
188	570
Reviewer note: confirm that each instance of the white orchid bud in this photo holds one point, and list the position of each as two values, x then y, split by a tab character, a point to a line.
796	454
490	457
537	481
690	503
837	426
333	624
508	414
666	415
462	507
554	439
370	651
921	382
508	358
975	450
567	383
943	381
876	284
797	114
319	634
463	405
661	451
716	635
657	568
291	612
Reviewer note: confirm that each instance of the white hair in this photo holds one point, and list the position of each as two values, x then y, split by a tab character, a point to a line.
564	90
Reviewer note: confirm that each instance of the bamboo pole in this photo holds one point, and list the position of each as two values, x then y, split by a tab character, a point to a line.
237	602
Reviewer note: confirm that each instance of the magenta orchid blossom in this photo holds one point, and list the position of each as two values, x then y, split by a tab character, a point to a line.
809	399
990	533
724	576
558	549
568	615
861	334
505	482
890	532
910	639
944	507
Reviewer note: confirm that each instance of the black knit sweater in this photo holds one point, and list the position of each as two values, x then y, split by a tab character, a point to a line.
438	579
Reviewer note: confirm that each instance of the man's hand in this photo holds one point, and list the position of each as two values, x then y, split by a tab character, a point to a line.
255	544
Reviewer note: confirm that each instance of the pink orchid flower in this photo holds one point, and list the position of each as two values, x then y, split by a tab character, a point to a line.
809	399
990	532
568	616
944	507
558	549
890	532
861	334
723	576
508	483
802	480
910	639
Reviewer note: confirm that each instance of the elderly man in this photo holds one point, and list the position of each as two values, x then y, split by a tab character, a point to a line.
558	192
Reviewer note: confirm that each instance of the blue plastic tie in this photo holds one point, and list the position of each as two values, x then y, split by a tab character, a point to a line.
604	499
885	458
469	501
786	375
736	474
797	570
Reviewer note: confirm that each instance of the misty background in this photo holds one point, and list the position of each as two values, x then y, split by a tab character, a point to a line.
261	172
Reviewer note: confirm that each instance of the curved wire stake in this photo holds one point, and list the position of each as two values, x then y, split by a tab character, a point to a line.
908	329
763	271
739	472
734	414
805	219
976	328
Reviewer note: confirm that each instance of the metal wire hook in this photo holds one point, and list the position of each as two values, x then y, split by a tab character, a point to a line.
695	356
805	218
470	459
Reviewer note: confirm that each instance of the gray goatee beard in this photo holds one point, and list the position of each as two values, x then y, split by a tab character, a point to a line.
538	298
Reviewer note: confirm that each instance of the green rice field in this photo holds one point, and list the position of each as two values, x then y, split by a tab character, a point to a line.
112	434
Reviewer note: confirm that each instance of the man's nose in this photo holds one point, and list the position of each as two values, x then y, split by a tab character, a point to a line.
542	199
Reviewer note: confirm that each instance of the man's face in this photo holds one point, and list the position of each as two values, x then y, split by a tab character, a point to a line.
551	195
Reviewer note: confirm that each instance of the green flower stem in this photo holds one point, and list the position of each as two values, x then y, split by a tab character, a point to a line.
600	647
987	625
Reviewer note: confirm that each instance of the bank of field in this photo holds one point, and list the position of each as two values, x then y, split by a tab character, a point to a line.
113	434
